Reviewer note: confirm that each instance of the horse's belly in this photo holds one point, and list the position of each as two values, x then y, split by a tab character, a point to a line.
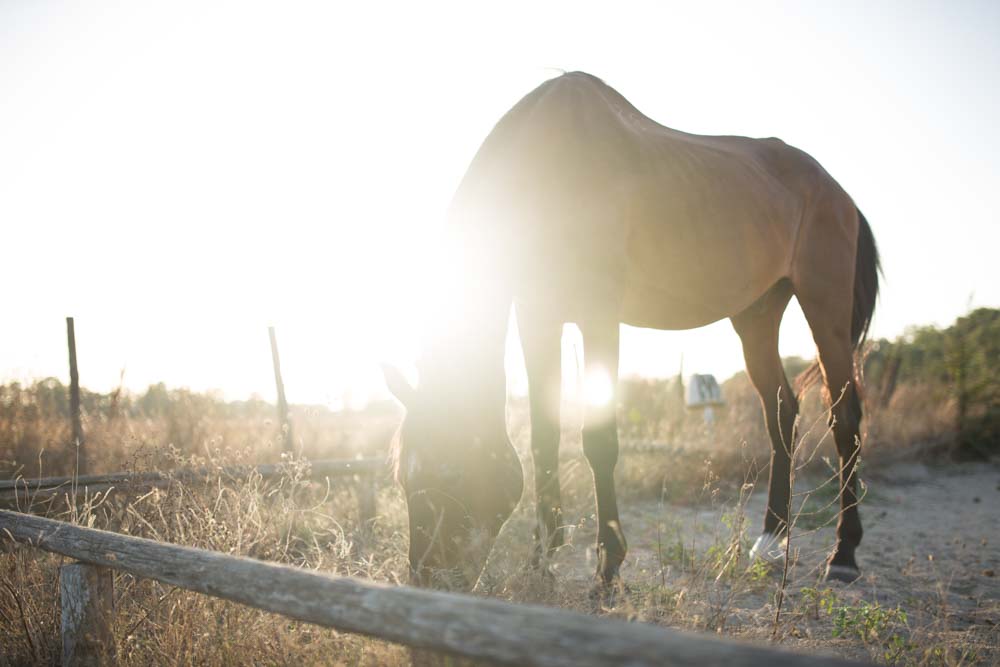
689	265
678	299
680	281
652	308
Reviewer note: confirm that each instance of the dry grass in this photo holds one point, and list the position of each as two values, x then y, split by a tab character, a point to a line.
288	520
689	508
34	433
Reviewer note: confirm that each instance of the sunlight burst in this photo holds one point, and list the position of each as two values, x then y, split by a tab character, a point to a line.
598	390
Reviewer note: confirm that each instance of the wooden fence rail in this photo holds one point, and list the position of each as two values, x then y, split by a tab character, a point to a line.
462	625
366	469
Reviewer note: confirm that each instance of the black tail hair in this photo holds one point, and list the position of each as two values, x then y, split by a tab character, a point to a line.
867	268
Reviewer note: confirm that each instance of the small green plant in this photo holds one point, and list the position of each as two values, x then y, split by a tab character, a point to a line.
872	623
945	655
814	601
759	571
867	621
896	649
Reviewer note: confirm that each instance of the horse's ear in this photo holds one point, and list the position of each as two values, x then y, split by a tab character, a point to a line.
398	385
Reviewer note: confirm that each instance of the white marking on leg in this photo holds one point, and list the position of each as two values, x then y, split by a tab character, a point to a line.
769	548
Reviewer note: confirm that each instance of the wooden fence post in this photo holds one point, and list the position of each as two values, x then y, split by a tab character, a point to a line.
74	400
286	425
87	601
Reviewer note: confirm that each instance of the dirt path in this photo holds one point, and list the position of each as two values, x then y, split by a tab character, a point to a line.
931	548
938	535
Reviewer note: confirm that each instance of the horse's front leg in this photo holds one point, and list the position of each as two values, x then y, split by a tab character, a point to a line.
541	339
600	440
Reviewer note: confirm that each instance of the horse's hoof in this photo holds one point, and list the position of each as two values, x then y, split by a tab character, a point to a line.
769	548
847	574
607	595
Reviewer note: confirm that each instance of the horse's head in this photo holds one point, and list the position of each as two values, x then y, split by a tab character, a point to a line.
462	480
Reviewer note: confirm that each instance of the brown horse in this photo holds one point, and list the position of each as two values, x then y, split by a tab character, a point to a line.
578	208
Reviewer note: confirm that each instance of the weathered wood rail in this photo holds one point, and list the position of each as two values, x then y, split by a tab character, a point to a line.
367	471
463	625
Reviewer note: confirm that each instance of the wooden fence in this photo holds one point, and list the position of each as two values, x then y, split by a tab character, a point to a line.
367	471
463	625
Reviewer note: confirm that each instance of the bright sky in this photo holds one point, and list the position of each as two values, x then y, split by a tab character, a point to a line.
179	175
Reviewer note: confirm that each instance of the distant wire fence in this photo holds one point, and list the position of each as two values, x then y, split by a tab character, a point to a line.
84	450
462	625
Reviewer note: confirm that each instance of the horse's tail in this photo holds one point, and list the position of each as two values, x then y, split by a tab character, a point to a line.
866	271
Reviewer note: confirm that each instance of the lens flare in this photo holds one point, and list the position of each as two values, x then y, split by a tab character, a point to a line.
598	390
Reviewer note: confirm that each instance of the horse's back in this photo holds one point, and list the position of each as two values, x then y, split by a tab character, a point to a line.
584	201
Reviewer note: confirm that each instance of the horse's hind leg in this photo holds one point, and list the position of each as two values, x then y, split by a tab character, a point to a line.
757	327
600	441
829	316
541	341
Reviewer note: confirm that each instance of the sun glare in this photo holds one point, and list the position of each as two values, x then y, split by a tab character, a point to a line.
598	390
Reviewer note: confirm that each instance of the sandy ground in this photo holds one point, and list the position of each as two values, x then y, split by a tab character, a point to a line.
931	547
